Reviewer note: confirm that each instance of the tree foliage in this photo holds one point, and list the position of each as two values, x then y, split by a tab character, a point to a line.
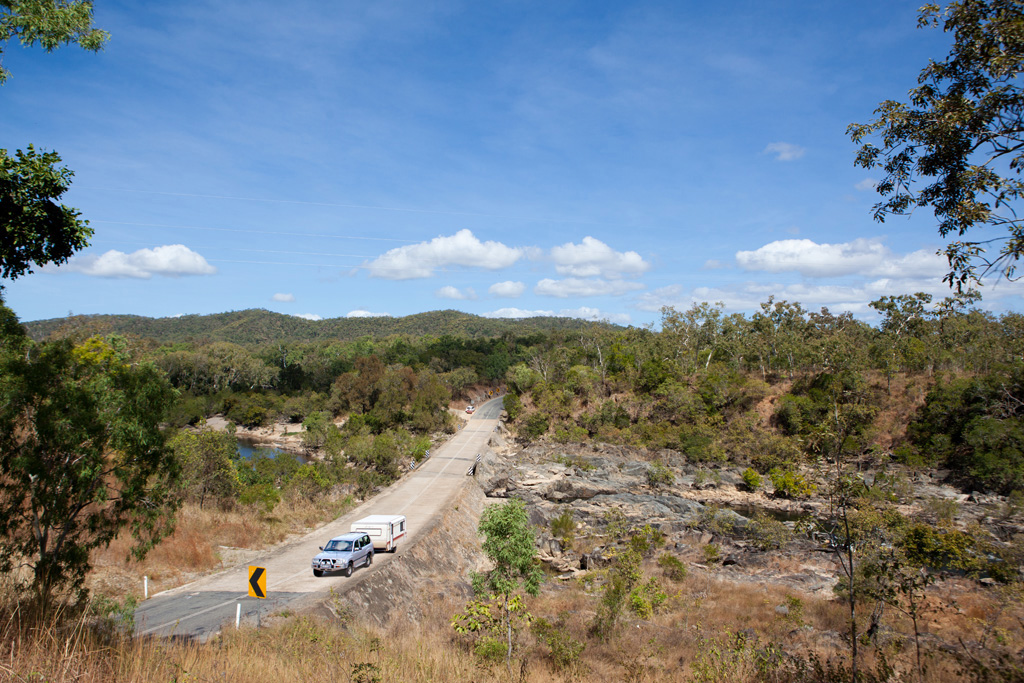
957	144
49	24
82	458
510	544
34	228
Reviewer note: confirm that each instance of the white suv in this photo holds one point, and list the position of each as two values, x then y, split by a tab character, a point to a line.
343	553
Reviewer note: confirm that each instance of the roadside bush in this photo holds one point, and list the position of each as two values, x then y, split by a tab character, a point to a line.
534	426
513	406
263	496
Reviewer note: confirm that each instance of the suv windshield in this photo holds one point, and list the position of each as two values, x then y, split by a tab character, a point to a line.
342	546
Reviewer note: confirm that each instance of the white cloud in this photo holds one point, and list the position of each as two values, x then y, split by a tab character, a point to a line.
713	264
572	286
866	184
359	313
508	289
461	249
286	298
449	292
584	313
867	257
309	316
813	259
594	258
172	260
785	151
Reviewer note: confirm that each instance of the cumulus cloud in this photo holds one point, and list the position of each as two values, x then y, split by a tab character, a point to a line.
171	260
867	257
866	184
359	313
461	249
815	260
309	316
572	286
449	292
594	258
508	289
785	151
286	298
583	313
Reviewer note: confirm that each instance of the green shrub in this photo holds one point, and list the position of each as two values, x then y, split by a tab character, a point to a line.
768	533
790	484
944	510
263	495
645	540
576	461
564	650
513	406
673	566
658	475
564	527
712	553
533	426
647	598
490	649
751	479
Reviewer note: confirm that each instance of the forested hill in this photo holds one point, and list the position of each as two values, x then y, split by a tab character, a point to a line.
257	326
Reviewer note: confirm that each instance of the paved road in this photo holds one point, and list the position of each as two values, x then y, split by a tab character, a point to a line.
199	609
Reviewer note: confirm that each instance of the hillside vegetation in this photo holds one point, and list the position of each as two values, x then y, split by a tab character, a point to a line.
257	326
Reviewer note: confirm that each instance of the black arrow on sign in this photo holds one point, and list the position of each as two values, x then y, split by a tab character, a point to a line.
254	582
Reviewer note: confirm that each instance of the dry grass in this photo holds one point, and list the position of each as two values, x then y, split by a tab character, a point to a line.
691	640
205	539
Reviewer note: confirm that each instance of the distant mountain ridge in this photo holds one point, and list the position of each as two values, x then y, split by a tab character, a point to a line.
259	326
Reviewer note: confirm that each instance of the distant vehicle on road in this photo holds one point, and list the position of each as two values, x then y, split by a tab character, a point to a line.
384	530
470	409
343	553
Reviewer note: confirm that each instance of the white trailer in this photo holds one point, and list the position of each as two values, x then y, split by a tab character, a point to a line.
384	530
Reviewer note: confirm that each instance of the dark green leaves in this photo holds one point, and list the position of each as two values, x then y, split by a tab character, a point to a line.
34	229
957	145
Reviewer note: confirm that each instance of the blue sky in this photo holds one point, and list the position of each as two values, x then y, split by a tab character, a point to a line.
593	159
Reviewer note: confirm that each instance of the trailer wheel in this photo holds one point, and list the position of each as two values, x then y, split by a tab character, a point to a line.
318	572
347	571
393	548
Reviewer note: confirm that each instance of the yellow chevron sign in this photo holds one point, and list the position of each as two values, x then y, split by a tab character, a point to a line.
257	582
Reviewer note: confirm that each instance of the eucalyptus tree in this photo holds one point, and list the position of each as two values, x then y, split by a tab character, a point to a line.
957	144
